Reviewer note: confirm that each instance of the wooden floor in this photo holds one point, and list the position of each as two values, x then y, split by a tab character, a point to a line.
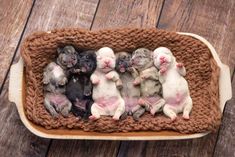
212	19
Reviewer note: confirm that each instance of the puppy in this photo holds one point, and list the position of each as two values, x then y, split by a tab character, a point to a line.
67	59
79	88
106	96
175	87
129	92
54	80
150	86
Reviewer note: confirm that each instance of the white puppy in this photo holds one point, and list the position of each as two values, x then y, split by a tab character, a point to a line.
175	87
106	96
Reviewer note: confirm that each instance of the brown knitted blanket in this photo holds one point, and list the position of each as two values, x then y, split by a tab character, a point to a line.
202	75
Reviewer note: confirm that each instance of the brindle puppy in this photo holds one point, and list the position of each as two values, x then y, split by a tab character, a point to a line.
129	92
148	79
79	88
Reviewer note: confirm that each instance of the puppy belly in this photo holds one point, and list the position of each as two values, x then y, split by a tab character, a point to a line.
107	106
57	99
177	102
152	99
130	103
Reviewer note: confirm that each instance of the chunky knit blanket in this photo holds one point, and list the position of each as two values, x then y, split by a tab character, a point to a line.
202	75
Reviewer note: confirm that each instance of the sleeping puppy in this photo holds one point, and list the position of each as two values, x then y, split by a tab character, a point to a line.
148	79
54	80
79	88
175	87
67	59
129	92
106	96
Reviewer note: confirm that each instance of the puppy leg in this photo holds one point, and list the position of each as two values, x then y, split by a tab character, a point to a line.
169	112
124	115
66	109
157	106
95	112
50	108
187	108
120	109
181	69
137	114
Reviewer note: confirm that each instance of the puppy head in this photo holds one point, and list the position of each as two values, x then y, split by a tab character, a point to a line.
141	58
162	56
67	56
123	61
105	59
87	61
56	77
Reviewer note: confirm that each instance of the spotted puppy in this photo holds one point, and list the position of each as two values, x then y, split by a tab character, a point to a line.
148	79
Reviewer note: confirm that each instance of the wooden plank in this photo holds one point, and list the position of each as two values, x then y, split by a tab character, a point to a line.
226	140
212	19
128	13
111	14
13	16
196	17
61	148
15	139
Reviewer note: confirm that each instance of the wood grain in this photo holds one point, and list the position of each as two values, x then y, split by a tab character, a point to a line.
205	18
13	16
127	13
15	138
184	148
61	148
212	19
226	140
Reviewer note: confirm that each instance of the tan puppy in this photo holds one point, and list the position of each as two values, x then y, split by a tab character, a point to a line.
106	96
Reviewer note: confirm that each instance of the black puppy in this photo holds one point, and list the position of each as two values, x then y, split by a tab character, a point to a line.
79	88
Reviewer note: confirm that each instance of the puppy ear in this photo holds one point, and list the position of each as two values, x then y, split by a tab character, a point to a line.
60	50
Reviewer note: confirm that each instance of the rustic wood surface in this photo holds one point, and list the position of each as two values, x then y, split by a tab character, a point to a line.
13	16
212	19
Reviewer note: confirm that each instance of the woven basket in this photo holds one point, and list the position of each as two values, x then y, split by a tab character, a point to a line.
202	76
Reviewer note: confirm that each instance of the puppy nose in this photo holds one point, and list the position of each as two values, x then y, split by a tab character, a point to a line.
107	61
162	58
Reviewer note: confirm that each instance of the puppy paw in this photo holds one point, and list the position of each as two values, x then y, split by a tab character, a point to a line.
173	118
95	81
109	77
136	82
179	65
152	112
92	117
141	101
186	117
116	118
119	84
62	81
87	92
163	71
